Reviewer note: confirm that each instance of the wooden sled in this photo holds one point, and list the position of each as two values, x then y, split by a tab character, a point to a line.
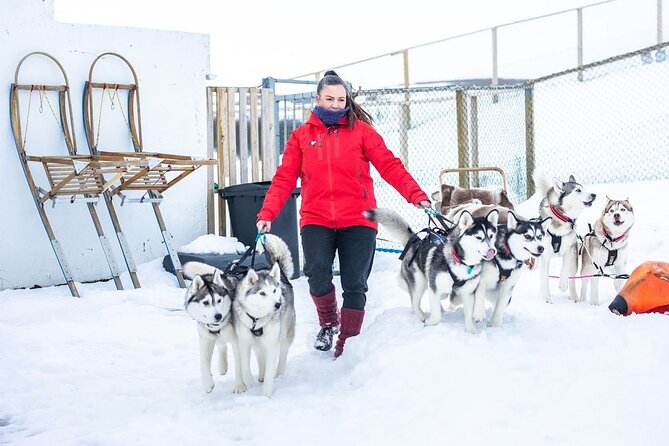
155	173
72	177
450	196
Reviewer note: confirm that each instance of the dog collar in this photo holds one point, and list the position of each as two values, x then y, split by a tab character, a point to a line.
562	217
256	331
611	239
457	259
214	328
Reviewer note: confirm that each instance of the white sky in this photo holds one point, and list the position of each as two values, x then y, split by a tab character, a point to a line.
115	368
251	40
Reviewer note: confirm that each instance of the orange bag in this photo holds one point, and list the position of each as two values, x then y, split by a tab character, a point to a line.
646	291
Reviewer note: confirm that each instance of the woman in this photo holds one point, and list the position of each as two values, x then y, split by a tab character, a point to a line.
331	153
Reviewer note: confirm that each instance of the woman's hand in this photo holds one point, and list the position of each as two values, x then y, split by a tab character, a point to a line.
264	225
423	204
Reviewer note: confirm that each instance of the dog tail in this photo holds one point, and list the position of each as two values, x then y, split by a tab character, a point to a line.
541	182
192	269
398	228
279	252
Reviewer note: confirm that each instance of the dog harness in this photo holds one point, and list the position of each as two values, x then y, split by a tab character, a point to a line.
612	253
256	331
506	273
556	240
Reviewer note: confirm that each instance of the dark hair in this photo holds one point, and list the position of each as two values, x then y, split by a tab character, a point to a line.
332	78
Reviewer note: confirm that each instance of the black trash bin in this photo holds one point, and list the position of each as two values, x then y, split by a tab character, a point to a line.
244	202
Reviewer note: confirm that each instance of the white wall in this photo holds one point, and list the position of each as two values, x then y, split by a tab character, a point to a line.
171	67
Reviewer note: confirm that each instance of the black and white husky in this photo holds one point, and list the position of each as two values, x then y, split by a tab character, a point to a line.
606	247
209	301
563	202
519	243
448	268
264	315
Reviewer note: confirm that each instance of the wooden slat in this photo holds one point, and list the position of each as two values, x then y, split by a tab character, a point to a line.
231	149
243	137
255	147
221	108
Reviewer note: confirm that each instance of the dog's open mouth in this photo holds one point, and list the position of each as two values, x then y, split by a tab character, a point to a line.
589	203
618	222
533	254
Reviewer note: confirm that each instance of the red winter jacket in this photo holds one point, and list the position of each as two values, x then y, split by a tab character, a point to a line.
333	164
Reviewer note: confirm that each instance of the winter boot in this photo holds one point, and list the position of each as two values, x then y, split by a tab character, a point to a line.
328	318
351	321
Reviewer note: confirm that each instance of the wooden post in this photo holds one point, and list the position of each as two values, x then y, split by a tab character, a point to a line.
474	124
529	139
461	120
221	112
211	213
405	121
267	126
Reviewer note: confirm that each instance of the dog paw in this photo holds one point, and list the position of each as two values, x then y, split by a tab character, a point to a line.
430	321
208	385
470	329
267	391
494	324
239	388
548	300
594	302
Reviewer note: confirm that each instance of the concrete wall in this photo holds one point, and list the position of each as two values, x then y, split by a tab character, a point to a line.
171	67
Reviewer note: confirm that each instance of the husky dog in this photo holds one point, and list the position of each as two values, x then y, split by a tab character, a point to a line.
519	242
447	267
264	315
606	247
563	202
208	301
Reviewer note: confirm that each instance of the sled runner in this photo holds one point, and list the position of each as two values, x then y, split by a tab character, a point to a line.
71	178
154	172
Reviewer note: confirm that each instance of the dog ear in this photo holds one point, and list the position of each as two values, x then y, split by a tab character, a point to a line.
572	179
275	272
197	282
493	217
223	281
557	184
511	221
251	276
465	220
545	222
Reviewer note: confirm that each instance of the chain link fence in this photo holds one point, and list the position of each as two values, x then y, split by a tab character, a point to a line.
604	122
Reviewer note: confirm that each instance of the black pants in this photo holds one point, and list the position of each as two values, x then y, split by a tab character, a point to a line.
356	246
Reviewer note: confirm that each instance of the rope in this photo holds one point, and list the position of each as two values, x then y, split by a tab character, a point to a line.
161	177
588	276
394	251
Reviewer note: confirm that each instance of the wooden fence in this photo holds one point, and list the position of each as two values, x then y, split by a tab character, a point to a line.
241	135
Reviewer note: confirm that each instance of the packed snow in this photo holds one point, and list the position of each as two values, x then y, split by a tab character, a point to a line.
121	367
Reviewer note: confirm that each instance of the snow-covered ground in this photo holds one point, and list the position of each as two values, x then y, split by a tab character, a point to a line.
121	367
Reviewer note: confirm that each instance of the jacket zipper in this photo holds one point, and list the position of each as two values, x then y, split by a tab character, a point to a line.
330	182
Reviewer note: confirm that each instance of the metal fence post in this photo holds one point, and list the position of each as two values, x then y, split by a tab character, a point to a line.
579	41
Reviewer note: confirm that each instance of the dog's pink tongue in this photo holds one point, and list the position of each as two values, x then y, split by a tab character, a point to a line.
490	254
